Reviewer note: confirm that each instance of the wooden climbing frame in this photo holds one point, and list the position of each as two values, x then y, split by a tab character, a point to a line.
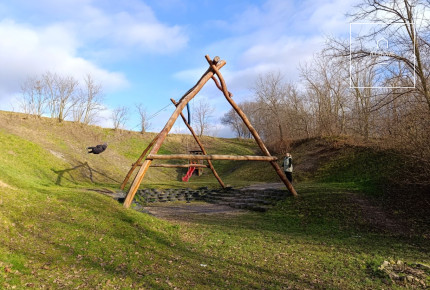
150	152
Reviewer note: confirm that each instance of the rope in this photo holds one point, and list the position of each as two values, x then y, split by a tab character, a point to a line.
153	115
158	112
189	113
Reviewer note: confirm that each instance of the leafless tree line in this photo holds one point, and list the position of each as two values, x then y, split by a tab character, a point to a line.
336	99
62	97
65	98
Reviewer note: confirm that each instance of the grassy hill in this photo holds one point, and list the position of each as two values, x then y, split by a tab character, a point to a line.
59	150
59	233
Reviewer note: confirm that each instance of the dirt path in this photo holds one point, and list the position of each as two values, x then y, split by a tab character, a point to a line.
187	212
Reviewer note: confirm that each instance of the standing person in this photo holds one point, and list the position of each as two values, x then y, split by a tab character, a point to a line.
98	149
288	167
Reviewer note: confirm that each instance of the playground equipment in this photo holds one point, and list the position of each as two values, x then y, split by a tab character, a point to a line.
150	153
193	168
189	173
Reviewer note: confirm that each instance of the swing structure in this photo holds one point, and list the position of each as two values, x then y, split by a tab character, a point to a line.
150	153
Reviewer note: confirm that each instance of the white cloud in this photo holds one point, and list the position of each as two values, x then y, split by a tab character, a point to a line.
28	51
130	25
104	118
247	58
151	37
328	17
140	31
277	36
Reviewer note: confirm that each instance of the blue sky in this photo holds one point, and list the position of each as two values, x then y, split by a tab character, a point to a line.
148	51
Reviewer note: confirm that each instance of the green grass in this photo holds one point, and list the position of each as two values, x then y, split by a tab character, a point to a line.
25	163
317	240
368	169
67	237
63	235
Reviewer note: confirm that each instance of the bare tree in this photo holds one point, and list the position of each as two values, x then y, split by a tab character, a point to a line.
79	107
66	96
201	116
60	92
281	112
326	86
88	101
408	27
119	117
299	117
233	120
143	114
60	96
271	93
33	100
49	90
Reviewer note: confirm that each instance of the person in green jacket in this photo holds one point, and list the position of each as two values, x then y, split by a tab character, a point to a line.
288	167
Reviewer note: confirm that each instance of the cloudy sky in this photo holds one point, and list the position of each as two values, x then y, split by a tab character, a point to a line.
148	51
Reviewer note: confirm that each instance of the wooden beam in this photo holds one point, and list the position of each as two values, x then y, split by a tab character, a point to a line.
133	167
227	95
189	95
211	157
177	165
201	147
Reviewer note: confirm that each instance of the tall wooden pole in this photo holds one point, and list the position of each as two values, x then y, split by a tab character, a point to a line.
162	135
201	146
254	133
139	160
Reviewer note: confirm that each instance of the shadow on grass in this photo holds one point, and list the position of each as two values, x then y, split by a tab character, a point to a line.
81	165
323	215
94	235
130	246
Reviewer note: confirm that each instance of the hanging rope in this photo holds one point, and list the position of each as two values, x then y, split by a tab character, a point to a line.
189	113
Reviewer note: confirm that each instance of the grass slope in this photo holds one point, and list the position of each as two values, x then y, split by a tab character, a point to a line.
67	143
58	233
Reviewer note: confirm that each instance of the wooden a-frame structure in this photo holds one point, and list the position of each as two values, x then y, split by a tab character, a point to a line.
145	160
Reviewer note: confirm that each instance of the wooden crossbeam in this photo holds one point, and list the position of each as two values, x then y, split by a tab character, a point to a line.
163	133
201	146
211	73
177	165
228	96
211	157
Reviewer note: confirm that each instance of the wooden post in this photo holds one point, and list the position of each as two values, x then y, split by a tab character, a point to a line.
134	165
201	146
162	135
248	124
